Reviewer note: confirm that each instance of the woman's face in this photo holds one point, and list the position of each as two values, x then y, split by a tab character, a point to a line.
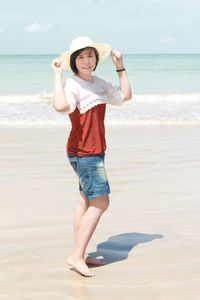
86	61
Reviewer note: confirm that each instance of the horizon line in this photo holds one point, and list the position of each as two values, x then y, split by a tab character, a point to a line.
122	53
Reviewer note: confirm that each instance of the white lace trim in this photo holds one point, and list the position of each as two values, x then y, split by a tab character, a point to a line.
85	95
89	104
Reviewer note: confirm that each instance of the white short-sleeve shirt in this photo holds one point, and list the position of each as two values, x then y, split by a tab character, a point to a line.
85	95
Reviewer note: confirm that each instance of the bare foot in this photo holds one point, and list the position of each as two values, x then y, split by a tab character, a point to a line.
94	261
70	261
80	266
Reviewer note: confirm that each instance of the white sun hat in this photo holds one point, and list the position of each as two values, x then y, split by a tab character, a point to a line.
80	43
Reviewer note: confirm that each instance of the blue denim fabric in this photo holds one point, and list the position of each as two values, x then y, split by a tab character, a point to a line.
91	174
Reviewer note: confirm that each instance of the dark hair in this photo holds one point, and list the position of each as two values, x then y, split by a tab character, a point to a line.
76	54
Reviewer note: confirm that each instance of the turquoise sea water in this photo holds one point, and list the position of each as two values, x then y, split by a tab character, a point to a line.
166	89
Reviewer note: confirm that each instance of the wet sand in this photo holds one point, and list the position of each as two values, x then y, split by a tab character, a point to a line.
150	235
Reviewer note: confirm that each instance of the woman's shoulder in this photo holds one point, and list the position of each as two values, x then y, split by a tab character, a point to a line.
71	82
70	85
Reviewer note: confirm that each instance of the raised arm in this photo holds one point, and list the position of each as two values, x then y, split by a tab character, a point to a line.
59	100
123	78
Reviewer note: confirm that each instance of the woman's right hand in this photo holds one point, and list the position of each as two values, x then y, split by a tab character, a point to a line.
57	66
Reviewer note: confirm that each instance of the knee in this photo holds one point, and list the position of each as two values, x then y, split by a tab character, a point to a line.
100	203
104	204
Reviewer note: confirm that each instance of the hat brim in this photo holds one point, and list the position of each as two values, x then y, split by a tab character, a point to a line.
103	50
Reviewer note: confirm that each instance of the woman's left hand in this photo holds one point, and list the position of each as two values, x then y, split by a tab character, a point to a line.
117	59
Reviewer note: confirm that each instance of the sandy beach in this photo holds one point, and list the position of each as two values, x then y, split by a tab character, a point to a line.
149	237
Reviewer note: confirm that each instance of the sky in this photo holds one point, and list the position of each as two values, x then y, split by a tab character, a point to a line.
129	26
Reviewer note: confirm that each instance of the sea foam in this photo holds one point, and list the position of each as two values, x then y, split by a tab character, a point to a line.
37	110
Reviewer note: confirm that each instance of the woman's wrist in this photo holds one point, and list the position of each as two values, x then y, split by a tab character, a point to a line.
119	67
58	75
120	70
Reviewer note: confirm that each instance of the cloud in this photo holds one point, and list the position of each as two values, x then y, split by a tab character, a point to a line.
167	40
35	27
2	28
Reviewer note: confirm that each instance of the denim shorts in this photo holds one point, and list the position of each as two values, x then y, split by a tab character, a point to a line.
91	174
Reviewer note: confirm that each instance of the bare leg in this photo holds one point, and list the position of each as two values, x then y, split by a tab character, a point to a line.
79	213
88	223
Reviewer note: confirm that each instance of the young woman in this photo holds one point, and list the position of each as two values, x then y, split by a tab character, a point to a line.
84	98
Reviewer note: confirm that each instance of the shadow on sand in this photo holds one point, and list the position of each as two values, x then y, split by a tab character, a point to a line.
117	247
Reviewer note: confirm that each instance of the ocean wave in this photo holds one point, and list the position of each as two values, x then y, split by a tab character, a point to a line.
46	98
43	98
37	110
181	98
